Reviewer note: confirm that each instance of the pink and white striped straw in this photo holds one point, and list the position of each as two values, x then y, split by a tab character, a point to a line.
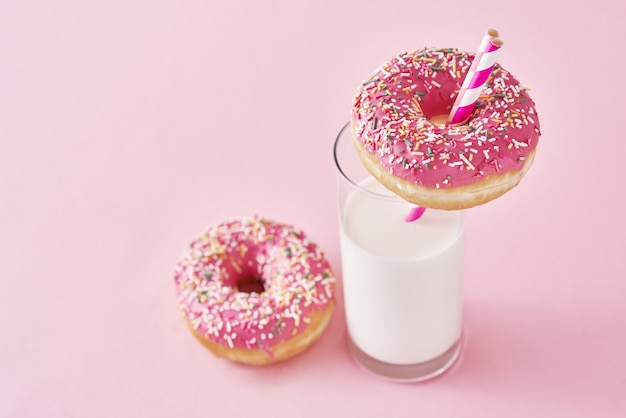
415	213
476	77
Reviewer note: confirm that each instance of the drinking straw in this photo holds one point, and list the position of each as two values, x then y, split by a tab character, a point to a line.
473	84
415	213
475	79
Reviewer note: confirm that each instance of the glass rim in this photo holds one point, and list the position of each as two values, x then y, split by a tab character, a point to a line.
391	196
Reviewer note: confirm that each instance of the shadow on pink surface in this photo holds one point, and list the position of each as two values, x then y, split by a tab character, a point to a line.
531	354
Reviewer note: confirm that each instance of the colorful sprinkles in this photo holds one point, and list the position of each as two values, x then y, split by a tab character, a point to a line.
297	280
391	114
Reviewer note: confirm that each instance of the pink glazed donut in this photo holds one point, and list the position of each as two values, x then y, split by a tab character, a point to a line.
398	134
254	290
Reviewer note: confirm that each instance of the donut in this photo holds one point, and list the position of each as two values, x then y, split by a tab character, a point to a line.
399	131
254	290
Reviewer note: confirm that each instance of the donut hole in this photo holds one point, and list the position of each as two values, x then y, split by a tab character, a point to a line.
438	103
250	284
439	120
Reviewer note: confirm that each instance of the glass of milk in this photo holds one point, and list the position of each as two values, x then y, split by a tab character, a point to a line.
402	281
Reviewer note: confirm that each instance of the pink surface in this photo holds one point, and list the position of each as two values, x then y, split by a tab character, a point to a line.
126	127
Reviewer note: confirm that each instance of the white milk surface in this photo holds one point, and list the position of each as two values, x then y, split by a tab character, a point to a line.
402	281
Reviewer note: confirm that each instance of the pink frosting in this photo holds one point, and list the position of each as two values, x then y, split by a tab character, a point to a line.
296	277
391	113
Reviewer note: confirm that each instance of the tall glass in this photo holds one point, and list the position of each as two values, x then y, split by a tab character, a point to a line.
402	281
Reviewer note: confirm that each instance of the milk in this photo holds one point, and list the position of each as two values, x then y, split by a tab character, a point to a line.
402	281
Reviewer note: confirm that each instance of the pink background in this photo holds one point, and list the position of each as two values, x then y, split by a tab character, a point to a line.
128	126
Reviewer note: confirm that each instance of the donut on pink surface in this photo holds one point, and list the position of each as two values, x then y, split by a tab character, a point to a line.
255	291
